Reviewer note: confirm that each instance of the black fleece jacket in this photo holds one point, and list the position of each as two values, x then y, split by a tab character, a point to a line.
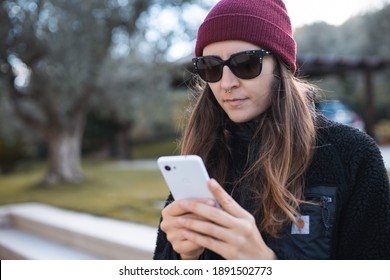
348	179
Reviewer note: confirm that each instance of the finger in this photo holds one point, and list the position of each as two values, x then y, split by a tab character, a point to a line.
238	247
172	224
207	228
205	241
173	210
225	200
209	213
181	244
176	207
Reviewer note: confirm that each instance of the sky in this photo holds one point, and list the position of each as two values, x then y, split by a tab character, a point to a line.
301	12
334	12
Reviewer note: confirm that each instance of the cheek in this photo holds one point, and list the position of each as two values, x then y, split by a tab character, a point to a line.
262	93
215	93
262	88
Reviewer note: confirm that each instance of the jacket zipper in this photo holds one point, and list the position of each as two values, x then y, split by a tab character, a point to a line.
324	203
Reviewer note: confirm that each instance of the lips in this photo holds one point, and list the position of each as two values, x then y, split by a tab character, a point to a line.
235	102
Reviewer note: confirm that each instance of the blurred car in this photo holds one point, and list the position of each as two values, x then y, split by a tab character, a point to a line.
338	111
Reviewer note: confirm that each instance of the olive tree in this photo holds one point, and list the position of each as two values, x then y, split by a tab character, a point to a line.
53	65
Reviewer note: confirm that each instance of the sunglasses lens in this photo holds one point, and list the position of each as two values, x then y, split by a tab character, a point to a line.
209	69
246	66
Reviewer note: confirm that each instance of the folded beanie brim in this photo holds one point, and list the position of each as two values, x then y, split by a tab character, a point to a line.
264	23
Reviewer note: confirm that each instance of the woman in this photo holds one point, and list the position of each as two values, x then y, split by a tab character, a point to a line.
291	184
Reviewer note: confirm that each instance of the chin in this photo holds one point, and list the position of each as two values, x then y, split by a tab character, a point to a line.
240	119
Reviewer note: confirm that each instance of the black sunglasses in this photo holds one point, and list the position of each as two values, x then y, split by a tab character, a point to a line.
245	65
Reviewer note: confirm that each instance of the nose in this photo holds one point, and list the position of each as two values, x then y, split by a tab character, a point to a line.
228	80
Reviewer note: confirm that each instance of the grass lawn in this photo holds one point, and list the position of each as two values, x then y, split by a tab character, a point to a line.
132	195
154	150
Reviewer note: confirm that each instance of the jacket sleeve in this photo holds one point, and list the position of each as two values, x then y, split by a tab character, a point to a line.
164	249
365	218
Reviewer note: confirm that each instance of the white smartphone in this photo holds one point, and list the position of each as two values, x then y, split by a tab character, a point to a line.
186	176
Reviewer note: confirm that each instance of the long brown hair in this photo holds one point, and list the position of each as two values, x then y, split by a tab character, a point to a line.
283	141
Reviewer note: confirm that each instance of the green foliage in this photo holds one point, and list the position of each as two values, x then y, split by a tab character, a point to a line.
111	191
156	149
11	151
360	36
98	132
61	59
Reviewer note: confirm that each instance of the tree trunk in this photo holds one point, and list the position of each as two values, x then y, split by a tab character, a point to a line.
119	147
64	157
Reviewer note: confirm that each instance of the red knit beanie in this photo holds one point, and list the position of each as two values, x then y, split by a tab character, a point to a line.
261	22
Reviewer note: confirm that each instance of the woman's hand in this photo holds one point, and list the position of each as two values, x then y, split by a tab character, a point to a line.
229	231
172	225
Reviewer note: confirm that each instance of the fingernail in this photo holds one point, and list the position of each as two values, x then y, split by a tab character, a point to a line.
182	220
186	233
214	183
184	203
211	202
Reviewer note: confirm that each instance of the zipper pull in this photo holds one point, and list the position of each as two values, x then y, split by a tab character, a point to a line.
325	211
325	200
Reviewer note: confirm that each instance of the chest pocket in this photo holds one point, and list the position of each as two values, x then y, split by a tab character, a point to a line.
323	209
312	238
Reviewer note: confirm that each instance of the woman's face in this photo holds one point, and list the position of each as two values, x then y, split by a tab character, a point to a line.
242	100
